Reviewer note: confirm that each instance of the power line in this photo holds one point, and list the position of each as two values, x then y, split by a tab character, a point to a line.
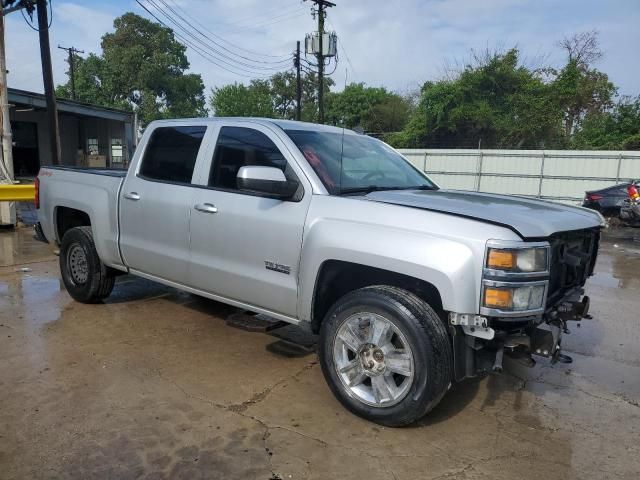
238	47
341	46
174	11
239	21
198	50
206	45
220	56
266	23
30	11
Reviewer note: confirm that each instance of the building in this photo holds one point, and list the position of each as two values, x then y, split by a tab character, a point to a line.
89	135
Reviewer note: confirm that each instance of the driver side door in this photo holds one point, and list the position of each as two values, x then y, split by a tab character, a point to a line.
245	246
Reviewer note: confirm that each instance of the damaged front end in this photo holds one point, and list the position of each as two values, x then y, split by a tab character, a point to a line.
530	291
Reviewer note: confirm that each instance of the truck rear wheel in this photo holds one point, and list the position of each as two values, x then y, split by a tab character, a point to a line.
84	276
385	354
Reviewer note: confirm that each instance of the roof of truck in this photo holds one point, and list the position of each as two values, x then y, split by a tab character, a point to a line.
284	124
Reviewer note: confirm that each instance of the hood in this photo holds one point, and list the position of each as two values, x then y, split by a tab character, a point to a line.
527	217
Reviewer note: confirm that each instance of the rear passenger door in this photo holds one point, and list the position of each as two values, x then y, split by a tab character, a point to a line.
246	247
155	202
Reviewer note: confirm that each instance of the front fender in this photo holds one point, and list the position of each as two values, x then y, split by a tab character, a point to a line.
450	266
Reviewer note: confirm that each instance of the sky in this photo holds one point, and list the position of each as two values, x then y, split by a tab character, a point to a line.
396	44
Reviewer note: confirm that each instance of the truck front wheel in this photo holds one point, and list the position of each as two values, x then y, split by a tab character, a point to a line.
85	277
385	354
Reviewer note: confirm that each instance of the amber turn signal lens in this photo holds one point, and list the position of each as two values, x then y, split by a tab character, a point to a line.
498	298
501	259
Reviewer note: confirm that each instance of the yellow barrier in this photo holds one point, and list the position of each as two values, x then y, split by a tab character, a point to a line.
17	193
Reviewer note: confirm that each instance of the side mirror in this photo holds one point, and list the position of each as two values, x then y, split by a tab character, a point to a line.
269	181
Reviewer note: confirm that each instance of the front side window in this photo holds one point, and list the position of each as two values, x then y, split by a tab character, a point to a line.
171	153
348	163
239	147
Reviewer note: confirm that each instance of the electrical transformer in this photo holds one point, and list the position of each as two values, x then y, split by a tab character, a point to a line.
329	44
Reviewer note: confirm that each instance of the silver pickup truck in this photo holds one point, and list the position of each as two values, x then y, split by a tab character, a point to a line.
410	287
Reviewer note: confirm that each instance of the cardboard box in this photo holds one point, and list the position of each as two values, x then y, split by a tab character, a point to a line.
97	161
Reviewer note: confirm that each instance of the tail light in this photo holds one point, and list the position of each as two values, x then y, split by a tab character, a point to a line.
632	190
594	197
37	197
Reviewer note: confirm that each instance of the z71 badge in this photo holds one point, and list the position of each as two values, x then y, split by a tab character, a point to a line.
277	267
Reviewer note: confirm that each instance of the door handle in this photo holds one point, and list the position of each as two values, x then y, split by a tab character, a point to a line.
206	208
132	196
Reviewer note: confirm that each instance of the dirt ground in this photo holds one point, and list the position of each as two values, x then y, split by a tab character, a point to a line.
153	384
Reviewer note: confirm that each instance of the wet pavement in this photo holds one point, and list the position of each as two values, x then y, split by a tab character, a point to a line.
153	384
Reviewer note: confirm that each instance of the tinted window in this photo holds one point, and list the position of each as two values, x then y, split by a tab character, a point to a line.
239	147
171	153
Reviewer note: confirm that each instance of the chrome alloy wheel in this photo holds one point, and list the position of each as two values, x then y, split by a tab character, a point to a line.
77	264
373	359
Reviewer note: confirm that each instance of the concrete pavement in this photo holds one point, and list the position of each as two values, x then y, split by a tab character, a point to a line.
153	384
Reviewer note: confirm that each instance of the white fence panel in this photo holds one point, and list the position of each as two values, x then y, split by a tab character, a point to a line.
561	175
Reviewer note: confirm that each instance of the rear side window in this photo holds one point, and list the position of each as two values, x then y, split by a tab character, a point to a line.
238	147
171	153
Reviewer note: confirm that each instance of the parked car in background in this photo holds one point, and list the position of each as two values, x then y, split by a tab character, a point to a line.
608	201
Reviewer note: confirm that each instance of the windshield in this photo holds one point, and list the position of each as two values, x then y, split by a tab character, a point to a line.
356	163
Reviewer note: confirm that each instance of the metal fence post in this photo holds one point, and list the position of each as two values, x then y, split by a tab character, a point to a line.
424	167
479	170
619	166
541	176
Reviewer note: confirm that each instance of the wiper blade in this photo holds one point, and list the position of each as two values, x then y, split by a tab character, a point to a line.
418	187
379	188
368	189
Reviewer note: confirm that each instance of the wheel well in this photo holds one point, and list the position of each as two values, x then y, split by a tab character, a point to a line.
337	278
67	218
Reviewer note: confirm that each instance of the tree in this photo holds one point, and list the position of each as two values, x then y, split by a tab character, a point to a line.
581	90
376	110
268	98
238	100
615	129
495	102
142	67
283	93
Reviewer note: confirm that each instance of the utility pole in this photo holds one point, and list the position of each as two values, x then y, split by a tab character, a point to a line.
296	62
321	6
320	63
72	51
7	210
47	78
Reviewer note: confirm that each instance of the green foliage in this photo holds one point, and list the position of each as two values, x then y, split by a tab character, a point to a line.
496	104
376	110
615	129
580	91
142	67
238	100
275	97
499	103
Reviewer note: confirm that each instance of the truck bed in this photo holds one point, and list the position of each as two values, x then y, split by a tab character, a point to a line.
92	191
112	172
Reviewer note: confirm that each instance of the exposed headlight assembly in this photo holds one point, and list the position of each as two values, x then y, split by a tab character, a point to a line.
518	298
515	278
521	260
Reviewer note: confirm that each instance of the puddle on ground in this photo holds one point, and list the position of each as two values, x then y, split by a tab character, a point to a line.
603	279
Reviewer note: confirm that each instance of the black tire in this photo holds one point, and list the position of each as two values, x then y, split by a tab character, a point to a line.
426	335
99	280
